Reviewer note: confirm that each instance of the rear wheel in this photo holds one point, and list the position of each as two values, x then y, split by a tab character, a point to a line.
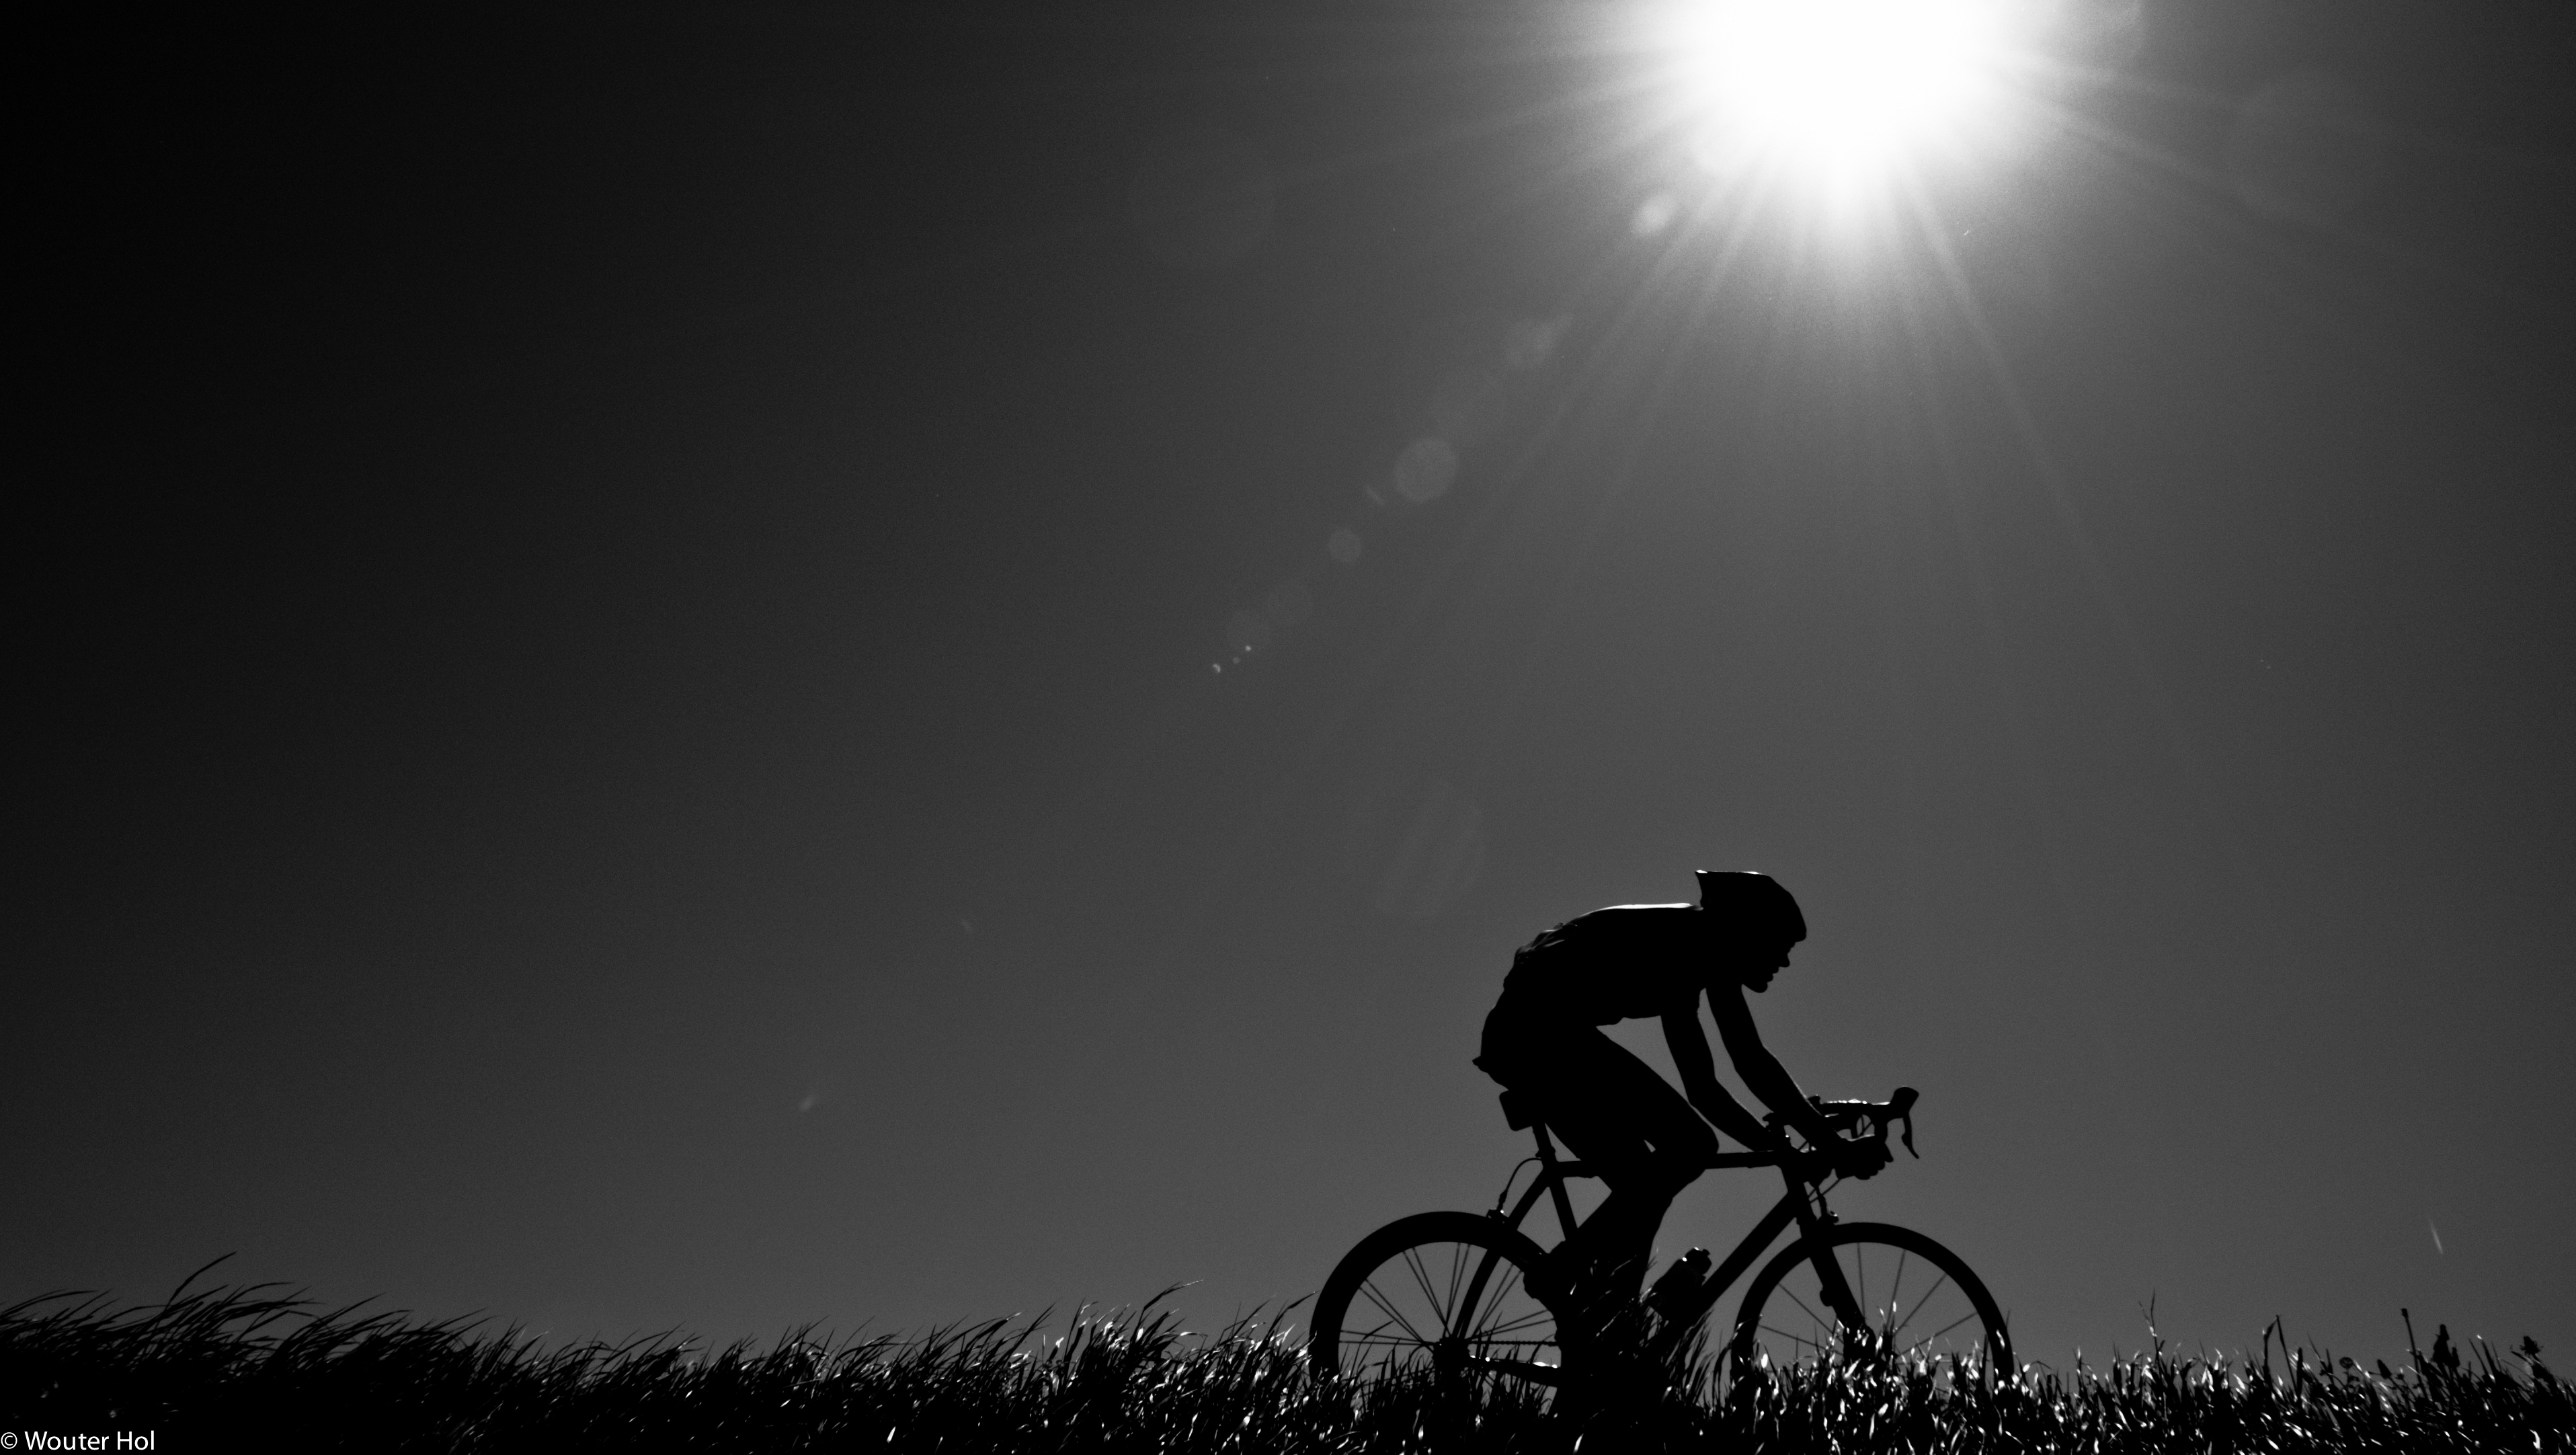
1903	1298
1443	1296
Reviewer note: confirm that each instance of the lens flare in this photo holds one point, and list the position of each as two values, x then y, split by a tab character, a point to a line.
1838	91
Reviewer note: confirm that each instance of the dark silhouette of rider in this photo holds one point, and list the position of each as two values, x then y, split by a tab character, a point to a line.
1543	1040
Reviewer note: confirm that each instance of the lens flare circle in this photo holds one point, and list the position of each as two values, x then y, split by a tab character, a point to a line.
1839	90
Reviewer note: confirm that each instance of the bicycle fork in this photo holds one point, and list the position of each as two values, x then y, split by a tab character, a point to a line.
1815	1221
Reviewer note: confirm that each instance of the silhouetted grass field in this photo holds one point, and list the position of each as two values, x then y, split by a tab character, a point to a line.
245	1364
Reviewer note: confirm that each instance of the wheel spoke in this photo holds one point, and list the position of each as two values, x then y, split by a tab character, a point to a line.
1525	1321
1921	1302
1498	1292
1394	1315
1422	1280
1821	1322
1384	1329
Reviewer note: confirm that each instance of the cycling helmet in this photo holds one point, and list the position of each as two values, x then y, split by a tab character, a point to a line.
1752	903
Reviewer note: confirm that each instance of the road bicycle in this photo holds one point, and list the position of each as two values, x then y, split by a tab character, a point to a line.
1447	1294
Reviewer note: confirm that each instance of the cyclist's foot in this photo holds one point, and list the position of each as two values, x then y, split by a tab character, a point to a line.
1571	1288
1555	1279
1588	1312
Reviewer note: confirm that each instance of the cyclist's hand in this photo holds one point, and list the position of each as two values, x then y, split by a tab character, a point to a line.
1862	1160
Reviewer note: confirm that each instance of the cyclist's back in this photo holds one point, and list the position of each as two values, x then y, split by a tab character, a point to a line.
1627	962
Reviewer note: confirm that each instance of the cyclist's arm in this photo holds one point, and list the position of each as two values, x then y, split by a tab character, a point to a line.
1763	1074
1689	1045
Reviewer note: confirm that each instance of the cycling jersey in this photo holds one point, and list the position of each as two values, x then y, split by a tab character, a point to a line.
1627	962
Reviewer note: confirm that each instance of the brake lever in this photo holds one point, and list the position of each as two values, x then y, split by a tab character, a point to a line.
1900	1107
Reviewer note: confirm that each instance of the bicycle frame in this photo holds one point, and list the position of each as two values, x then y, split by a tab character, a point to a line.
1803	1204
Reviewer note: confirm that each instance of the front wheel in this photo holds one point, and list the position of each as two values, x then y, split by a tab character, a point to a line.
1902	1298
1441	1295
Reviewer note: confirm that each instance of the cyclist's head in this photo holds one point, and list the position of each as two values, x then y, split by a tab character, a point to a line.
1753	905
1757	922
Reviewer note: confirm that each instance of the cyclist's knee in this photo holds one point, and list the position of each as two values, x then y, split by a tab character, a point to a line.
1694	1144
1689	1156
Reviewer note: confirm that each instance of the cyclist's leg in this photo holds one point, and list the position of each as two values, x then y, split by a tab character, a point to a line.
1614	1112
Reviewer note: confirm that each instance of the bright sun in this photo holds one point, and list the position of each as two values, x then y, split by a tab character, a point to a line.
1839	92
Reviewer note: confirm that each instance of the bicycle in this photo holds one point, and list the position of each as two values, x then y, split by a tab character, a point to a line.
1447	1293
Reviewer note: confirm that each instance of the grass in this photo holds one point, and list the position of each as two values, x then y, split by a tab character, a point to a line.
252	1362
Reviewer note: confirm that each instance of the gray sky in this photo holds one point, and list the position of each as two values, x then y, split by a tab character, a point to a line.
718	670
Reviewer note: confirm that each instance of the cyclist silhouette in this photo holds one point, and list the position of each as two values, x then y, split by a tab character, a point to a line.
1543	1042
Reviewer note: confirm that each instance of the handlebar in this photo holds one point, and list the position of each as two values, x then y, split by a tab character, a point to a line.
1862	1121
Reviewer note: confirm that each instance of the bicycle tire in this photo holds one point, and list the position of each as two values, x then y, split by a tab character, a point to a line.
1950	1326
1443	1295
